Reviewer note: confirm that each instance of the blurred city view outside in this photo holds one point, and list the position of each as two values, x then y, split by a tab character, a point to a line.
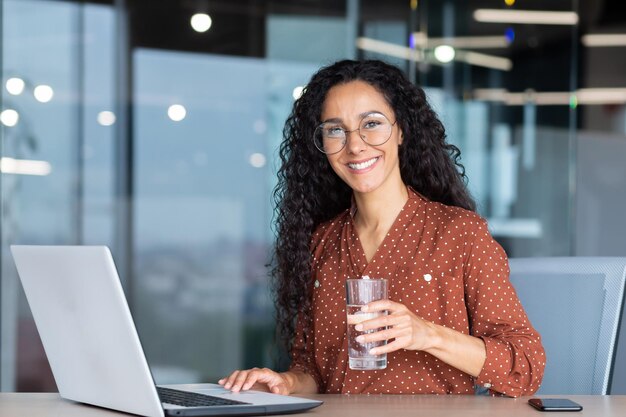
203	210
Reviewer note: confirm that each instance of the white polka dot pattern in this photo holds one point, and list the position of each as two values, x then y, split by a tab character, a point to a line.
443	264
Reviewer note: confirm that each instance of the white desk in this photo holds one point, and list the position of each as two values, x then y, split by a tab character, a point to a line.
51	405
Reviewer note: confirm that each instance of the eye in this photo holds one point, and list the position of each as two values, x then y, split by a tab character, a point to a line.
333	131
371	124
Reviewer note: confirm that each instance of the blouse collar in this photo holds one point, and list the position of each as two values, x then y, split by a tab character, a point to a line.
412	195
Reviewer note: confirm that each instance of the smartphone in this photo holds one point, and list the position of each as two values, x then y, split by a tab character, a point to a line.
554	404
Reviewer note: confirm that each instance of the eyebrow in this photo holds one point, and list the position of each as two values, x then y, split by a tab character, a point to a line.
361	115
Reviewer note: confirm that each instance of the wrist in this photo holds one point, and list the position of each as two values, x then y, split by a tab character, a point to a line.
291	381
434	337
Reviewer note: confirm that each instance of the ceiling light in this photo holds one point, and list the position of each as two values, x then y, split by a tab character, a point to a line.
398	51
297	92
24	166
484	60
388	48
15	86
604	39
419	40
583	96
537	17
43	93
257	160
177	112
601	96
9	117
106	118
444	53
201	22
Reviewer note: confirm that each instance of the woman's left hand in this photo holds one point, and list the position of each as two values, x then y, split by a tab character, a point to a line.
409	330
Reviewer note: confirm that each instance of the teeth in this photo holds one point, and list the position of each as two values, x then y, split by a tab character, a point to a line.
363	165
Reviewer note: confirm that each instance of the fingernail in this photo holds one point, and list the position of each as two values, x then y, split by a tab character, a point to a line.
221	381
364	308
358	327
360	339
373	351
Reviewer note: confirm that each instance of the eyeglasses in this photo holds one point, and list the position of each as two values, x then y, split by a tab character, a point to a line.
374	129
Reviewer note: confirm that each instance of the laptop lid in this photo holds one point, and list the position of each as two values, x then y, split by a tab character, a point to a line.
86	327
91	341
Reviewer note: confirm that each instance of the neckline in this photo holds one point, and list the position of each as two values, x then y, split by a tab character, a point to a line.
386	245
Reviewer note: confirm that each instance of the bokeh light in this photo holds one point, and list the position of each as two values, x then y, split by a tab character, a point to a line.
43	93
177	112
201	22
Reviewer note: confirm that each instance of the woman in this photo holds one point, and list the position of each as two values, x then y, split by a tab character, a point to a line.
368	186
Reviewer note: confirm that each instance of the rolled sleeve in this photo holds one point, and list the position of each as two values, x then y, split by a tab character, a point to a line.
515	358
302	355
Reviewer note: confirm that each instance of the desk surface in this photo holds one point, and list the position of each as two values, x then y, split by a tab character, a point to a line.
48	405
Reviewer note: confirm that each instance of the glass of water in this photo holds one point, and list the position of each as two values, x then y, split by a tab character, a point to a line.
358	293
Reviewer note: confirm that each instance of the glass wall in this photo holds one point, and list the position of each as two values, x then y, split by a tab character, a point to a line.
126	124
57	160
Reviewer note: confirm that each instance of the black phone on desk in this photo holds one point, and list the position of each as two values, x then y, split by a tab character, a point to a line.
554	404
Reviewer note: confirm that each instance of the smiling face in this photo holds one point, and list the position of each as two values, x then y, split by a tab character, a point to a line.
365	168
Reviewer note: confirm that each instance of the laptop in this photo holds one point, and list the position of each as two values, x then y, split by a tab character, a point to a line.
89	336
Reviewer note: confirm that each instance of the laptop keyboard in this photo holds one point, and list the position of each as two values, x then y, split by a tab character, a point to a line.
192	399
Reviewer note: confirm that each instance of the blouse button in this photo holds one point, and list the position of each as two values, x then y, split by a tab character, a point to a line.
317	284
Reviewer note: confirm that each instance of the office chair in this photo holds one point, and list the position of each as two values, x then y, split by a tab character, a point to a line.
575	304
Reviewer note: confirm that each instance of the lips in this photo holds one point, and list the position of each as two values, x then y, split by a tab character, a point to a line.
357	166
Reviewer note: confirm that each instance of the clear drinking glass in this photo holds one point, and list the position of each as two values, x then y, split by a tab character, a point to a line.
358	293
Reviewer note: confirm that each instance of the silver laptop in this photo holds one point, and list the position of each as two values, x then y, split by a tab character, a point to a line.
92	345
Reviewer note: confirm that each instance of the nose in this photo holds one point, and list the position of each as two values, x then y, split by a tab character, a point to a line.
354	143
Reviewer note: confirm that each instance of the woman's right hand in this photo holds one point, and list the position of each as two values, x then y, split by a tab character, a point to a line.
263	379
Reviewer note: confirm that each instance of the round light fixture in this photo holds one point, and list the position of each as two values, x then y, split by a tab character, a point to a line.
177	112
106	118
43	93
9	117
444	53
15	86
201	22
257	160
297	92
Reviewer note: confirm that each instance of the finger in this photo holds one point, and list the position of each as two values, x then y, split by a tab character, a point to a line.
230	379
378	336
253	377
382	321
277	385
241	379
380	305
224	380
269	381
263	376
280	388
389	347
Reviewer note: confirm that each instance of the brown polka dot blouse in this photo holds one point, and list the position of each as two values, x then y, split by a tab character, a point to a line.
442	263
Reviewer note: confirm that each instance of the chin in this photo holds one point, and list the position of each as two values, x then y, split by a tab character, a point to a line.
364	188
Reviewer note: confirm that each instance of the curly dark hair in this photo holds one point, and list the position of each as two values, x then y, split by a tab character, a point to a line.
309	192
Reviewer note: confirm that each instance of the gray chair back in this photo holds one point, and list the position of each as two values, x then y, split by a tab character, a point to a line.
575	303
